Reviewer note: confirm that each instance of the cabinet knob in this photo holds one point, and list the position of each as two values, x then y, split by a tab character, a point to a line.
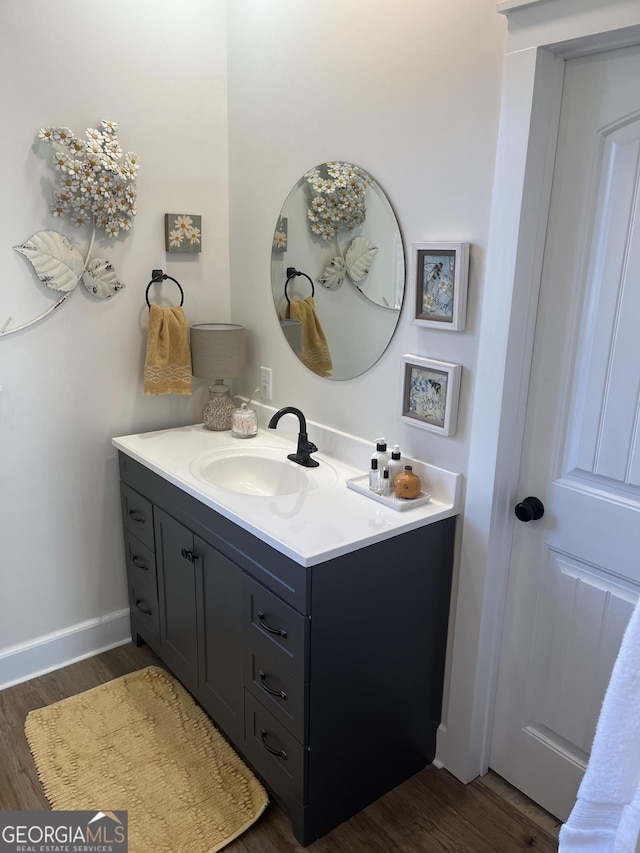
134	515
529	509
139	563
146	610
188	555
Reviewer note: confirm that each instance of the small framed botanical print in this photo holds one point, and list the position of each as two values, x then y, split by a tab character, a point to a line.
430	392
182	232
439	281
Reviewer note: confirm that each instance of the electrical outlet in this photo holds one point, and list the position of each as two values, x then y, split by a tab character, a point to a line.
265	383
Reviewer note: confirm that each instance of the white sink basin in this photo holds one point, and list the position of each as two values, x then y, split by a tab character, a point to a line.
259	471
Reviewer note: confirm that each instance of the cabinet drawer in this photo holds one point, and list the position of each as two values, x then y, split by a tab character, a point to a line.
278	690
276	628
144	609
274	752
137	515
141	565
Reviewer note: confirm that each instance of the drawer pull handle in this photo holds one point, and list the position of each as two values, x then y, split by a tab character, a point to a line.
139	563
279	753
188	555
279	693
279	631
146	610
134	515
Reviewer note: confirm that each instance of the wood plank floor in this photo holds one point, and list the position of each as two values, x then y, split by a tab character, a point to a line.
430	813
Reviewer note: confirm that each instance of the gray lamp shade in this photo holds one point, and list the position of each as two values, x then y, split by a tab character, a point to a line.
217	350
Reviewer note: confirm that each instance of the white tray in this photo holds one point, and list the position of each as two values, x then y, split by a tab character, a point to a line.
361	484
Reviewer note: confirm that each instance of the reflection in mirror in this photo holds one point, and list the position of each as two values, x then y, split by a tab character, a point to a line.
337	270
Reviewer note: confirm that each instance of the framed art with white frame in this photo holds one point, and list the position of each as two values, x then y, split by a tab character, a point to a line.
439	278
430	393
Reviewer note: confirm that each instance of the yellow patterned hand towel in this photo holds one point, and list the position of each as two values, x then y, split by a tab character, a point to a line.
167	367
315	352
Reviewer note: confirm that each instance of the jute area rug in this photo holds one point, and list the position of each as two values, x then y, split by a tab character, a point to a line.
140	743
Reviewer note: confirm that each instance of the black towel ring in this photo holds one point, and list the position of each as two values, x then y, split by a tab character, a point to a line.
292	272
159	276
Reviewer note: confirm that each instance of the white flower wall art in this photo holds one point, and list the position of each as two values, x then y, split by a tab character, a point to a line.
337	203
95	187
182	232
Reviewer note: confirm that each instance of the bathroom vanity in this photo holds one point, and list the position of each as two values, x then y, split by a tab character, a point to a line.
310	625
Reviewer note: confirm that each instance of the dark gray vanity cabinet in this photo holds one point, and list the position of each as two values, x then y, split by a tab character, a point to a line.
220	645
139	546
327	679
177	603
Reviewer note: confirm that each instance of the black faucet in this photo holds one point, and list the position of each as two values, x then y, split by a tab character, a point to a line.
305	447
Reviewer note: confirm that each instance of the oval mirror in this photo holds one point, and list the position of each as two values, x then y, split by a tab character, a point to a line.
337	270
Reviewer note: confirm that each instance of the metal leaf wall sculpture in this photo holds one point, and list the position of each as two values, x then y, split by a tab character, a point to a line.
58	264
356	264
96	186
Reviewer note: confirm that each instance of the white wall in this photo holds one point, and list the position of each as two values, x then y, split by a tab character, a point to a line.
73	381
409	91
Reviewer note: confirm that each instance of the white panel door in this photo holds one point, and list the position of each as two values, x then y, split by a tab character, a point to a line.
575	572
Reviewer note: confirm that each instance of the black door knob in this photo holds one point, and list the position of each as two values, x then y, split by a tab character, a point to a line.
530	509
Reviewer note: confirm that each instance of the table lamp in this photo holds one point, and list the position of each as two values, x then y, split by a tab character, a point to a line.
217	353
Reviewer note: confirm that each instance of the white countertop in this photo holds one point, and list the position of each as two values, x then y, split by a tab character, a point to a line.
324	521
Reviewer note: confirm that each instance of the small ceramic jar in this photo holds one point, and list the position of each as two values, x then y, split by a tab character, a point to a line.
407	484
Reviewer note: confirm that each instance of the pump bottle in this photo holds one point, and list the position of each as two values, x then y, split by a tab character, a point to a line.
381	453
396	465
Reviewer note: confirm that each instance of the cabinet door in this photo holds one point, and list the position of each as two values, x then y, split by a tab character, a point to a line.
221	680
176	562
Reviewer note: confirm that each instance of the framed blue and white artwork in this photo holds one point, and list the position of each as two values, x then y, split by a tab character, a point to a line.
430	393
439	280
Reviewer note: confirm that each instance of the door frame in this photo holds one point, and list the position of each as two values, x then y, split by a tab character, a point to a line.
541	35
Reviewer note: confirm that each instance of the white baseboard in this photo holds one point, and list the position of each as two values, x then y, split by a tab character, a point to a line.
441	749
53	651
